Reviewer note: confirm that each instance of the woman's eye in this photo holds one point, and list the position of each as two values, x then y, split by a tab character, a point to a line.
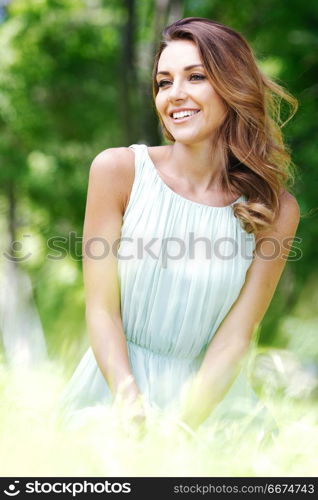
200	77
162	83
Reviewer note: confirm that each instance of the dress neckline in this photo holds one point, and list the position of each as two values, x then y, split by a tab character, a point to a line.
174	193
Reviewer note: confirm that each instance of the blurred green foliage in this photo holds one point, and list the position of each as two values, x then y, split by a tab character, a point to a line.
76	78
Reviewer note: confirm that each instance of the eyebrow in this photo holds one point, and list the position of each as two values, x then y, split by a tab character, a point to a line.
186	68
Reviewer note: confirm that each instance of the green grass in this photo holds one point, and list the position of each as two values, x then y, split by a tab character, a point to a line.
34	444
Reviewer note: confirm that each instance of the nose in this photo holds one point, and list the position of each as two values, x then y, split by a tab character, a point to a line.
177	91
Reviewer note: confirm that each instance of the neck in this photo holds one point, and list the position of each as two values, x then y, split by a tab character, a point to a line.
200	167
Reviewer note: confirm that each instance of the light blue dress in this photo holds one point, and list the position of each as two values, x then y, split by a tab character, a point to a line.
181	266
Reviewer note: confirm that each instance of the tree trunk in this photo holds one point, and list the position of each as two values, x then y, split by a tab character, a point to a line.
128	92
165	12
20	325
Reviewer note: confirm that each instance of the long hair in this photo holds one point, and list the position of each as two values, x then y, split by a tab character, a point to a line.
256	161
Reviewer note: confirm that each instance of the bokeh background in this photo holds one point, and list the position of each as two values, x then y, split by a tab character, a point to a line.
75	79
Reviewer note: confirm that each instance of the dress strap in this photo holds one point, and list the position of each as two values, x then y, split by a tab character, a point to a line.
140	177
139	150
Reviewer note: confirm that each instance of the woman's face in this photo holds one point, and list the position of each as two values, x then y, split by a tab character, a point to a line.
182	87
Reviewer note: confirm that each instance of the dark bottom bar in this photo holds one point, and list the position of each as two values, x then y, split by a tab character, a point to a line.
162	487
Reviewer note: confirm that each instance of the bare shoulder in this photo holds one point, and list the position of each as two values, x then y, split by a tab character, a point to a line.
114	161
114	169
289	211
287	219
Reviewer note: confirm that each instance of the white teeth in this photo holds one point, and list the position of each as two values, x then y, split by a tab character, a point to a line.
182	114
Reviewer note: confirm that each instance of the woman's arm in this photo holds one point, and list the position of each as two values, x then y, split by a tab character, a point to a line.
106	199
229	345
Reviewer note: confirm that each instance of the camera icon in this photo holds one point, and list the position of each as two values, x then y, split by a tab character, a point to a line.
12	489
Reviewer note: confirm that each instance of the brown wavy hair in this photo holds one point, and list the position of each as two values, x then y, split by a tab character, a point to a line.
256	161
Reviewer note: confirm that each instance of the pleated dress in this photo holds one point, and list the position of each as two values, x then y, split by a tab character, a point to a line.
181	266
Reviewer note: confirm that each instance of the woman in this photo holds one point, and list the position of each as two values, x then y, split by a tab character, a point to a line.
170	321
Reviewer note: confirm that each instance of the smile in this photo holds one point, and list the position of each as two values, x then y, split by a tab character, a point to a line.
184	118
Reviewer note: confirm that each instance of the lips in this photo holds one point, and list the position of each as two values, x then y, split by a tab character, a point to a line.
185	118
179	110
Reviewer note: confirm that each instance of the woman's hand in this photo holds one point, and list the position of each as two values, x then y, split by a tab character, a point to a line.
132	409
192	411
136	414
